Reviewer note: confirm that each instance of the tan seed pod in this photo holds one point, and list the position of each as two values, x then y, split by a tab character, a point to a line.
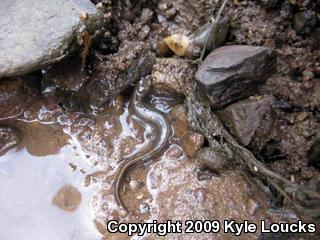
178	43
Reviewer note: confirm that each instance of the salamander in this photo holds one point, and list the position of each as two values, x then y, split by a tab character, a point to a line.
162	130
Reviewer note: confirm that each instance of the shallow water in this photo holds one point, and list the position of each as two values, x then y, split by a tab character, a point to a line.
71	153
28	184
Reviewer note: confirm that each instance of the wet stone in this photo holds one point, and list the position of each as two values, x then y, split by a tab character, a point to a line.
13	98
191	143
178	119
50	34
41	140
115	72
67	198
9	138
175	152
244	117
67	74
234	72
213	160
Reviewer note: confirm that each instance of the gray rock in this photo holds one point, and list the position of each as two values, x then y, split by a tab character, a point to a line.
234	72
244	117
35	33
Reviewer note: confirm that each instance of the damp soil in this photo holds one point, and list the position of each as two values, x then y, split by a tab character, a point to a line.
61	149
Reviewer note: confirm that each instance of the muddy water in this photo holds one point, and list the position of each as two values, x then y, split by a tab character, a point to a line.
57	183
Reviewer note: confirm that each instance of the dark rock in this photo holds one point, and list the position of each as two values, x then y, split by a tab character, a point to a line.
62	82
234	72
13	97
243	118
36	33
211	36
314	155
133	61
214	160
9	138
66	74
146	16
269	3
284	105
304	21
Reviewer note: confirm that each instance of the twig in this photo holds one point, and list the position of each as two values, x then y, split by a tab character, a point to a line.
214	22
220	10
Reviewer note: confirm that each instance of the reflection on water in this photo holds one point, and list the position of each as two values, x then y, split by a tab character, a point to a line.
28	184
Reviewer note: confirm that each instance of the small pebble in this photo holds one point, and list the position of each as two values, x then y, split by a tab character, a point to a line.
307	85
178	43
317	71
174	152
144	208
123	212
204	174
307	172
292	178
201	194
301	116
192	142
133	184
307	133
252	206
105	206
146	15
67	198
140	196
99	5
284	106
